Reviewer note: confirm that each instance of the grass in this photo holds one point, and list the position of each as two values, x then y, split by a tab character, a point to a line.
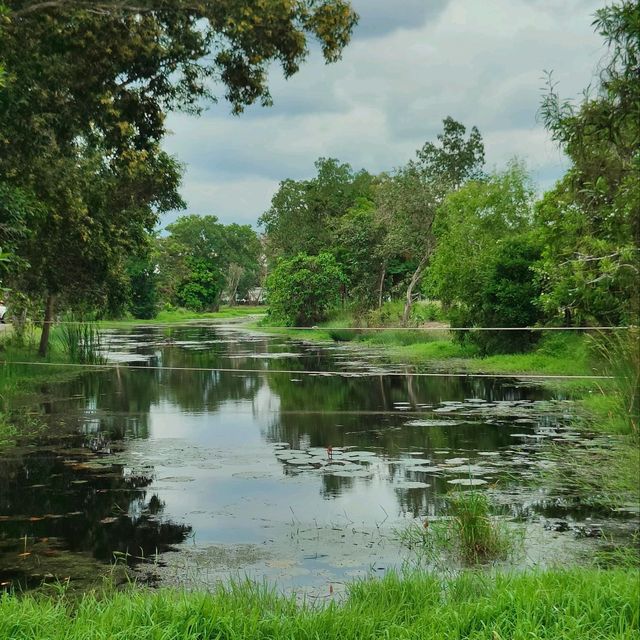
469	534
573	605
175	316
621	353
81	342
559	354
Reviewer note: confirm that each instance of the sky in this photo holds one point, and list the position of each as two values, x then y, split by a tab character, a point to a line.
410	64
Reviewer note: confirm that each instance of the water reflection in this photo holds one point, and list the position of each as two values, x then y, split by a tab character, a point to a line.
144	458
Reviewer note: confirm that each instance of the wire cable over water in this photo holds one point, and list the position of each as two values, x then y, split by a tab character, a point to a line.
319	372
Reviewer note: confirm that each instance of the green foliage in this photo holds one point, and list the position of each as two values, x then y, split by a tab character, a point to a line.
590	222
304	214
568	604
621	353
115	70
358	249
230	253
408	201
18	212
82	114
143	294
302	289
606	475
96	213
509	299
469	227
482	269
201	290
80	340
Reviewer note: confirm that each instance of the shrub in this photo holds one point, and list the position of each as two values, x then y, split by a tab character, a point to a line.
508	298
302	289
201	290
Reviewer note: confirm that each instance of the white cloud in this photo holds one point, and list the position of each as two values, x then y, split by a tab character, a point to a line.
413	64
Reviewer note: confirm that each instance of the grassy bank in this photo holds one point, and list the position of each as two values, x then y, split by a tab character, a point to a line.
573	604
556	354
176	316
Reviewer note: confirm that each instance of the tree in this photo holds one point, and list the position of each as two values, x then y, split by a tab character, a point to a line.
118	66
302	289
242	260
358	248
85	96
590	221
18	214
232	252
97	213
202	288
143	287
510	297
470	225
408	200
483	268
304	214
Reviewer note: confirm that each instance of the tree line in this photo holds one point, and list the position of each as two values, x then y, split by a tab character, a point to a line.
84	92
484	245
86	87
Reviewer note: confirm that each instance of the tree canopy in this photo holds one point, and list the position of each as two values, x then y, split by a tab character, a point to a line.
85	93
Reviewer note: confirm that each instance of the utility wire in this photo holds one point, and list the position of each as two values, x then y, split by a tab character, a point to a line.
115	324
344	374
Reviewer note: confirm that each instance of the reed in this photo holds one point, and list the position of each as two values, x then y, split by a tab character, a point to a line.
620	352
81	341
469	533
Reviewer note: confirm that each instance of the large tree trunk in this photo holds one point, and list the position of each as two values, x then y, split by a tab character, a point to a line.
415	278
46	326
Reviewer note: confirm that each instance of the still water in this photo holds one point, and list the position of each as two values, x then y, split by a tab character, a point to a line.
303	479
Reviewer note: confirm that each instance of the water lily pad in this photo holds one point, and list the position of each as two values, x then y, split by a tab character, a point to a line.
349	473
296	462
456	461
471	469
467	482
409	484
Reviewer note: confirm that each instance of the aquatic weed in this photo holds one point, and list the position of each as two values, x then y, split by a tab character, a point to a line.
469	532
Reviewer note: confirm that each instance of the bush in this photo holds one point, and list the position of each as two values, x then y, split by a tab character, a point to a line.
507	299
201	290
302	289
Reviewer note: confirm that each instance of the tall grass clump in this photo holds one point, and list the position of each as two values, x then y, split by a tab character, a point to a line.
620	352
81	341
469	532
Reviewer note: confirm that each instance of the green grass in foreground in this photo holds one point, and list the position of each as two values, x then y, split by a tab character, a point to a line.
572	604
